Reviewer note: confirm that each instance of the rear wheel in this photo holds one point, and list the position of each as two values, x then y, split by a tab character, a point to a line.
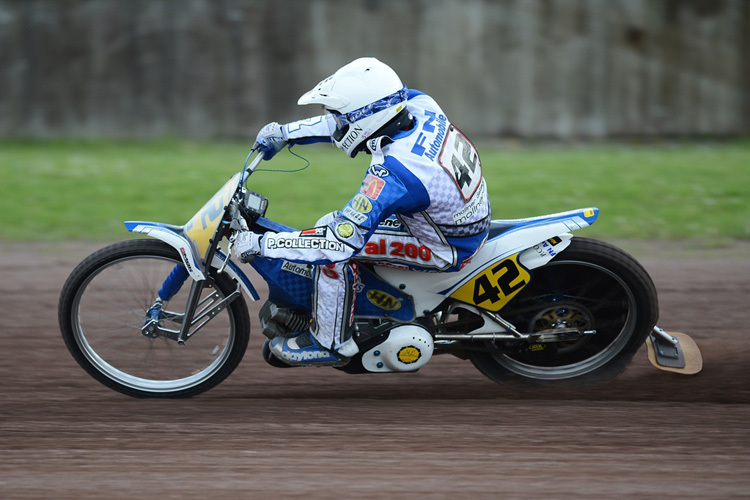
591	285
103	308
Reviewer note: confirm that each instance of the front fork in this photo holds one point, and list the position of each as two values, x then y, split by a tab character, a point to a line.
197	312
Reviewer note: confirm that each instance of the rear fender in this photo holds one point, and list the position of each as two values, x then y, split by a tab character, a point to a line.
541	253
536	241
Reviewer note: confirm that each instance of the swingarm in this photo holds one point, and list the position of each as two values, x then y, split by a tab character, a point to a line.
495	328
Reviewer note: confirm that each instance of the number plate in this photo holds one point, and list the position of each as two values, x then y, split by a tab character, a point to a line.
460	159
495	286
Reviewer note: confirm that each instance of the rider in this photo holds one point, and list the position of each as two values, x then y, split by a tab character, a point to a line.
422	205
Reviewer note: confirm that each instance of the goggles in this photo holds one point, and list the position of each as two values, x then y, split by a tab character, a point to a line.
344	119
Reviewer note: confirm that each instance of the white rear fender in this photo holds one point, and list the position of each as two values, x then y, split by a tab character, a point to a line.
536	240
541	253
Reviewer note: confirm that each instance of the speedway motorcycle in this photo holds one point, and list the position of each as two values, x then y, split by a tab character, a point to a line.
167	316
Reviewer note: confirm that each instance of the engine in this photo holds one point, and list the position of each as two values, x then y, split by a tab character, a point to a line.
407	349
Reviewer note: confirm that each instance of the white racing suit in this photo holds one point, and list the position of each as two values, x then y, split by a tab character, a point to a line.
423	204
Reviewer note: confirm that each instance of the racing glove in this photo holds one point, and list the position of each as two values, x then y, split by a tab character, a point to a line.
270	140
247	245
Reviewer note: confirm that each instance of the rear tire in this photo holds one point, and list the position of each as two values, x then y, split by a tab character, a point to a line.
103	307
589	285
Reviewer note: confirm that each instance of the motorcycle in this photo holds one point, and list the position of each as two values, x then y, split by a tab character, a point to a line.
534	306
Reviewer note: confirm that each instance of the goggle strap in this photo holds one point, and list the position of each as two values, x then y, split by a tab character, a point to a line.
375	107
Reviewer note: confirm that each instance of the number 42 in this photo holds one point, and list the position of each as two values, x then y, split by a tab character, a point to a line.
494	288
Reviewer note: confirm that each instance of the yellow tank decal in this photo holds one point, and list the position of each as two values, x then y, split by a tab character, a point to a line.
201	228
495	286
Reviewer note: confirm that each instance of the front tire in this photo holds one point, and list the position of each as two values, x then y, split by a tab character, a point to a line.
103	307
591	285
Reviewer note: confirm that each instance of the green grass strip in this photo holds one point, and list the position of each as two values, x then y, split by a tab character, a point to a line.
81	190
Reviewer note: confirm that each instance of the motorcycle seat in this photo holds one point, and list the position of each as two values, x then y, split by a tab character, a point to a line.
497	228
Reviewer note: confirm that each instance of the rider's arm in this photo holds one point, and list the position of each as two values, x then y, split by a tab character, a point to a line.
387	189
310	130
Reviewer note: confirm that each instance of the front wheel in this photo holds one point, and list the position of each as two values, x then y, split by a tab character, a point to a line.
103	308
591	285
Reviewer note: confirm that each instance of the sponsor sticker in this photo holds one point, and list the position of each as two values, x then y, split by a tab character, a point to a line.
409	354
361	204
378	171
544	249
330	271
345	230
354	216
306	243
372	186
383	300
315	231
407	251
472	207
303	270
186	260
391	223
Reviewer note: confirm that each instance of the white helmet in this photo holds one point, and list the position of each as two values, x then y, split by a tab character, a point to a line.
364	97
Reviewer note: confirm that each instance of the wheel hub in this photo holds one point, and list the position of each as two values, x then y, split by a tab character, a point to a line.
563	316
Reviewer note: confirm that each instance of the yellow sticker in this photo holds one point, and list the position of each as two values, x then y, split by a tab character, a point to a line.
409	354
345	230
589	212
383	300
495	286
361	204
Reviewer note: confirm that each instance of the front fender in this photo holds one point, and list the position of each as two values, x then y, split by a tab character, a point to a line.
170	236
173	239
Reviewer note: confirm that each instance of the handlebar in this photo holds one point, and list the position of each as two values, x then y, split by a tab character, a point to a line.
249	169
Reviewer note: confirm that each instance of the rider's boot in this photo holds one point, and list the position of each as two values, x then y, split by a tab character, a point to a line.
304	350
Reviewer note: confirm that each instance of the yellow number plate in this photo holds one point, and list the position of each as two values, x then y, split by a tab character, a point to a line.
495	286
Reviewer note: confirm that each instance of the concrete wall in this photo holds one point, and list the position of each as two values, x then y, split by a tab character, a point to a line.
222	68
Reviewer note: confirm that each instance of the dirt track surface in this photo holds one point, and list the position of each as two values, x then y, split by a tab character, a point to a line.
445	432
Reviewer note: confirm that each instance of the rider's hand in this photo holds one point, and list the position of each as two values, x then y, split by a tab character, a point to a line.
247	245
270	140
